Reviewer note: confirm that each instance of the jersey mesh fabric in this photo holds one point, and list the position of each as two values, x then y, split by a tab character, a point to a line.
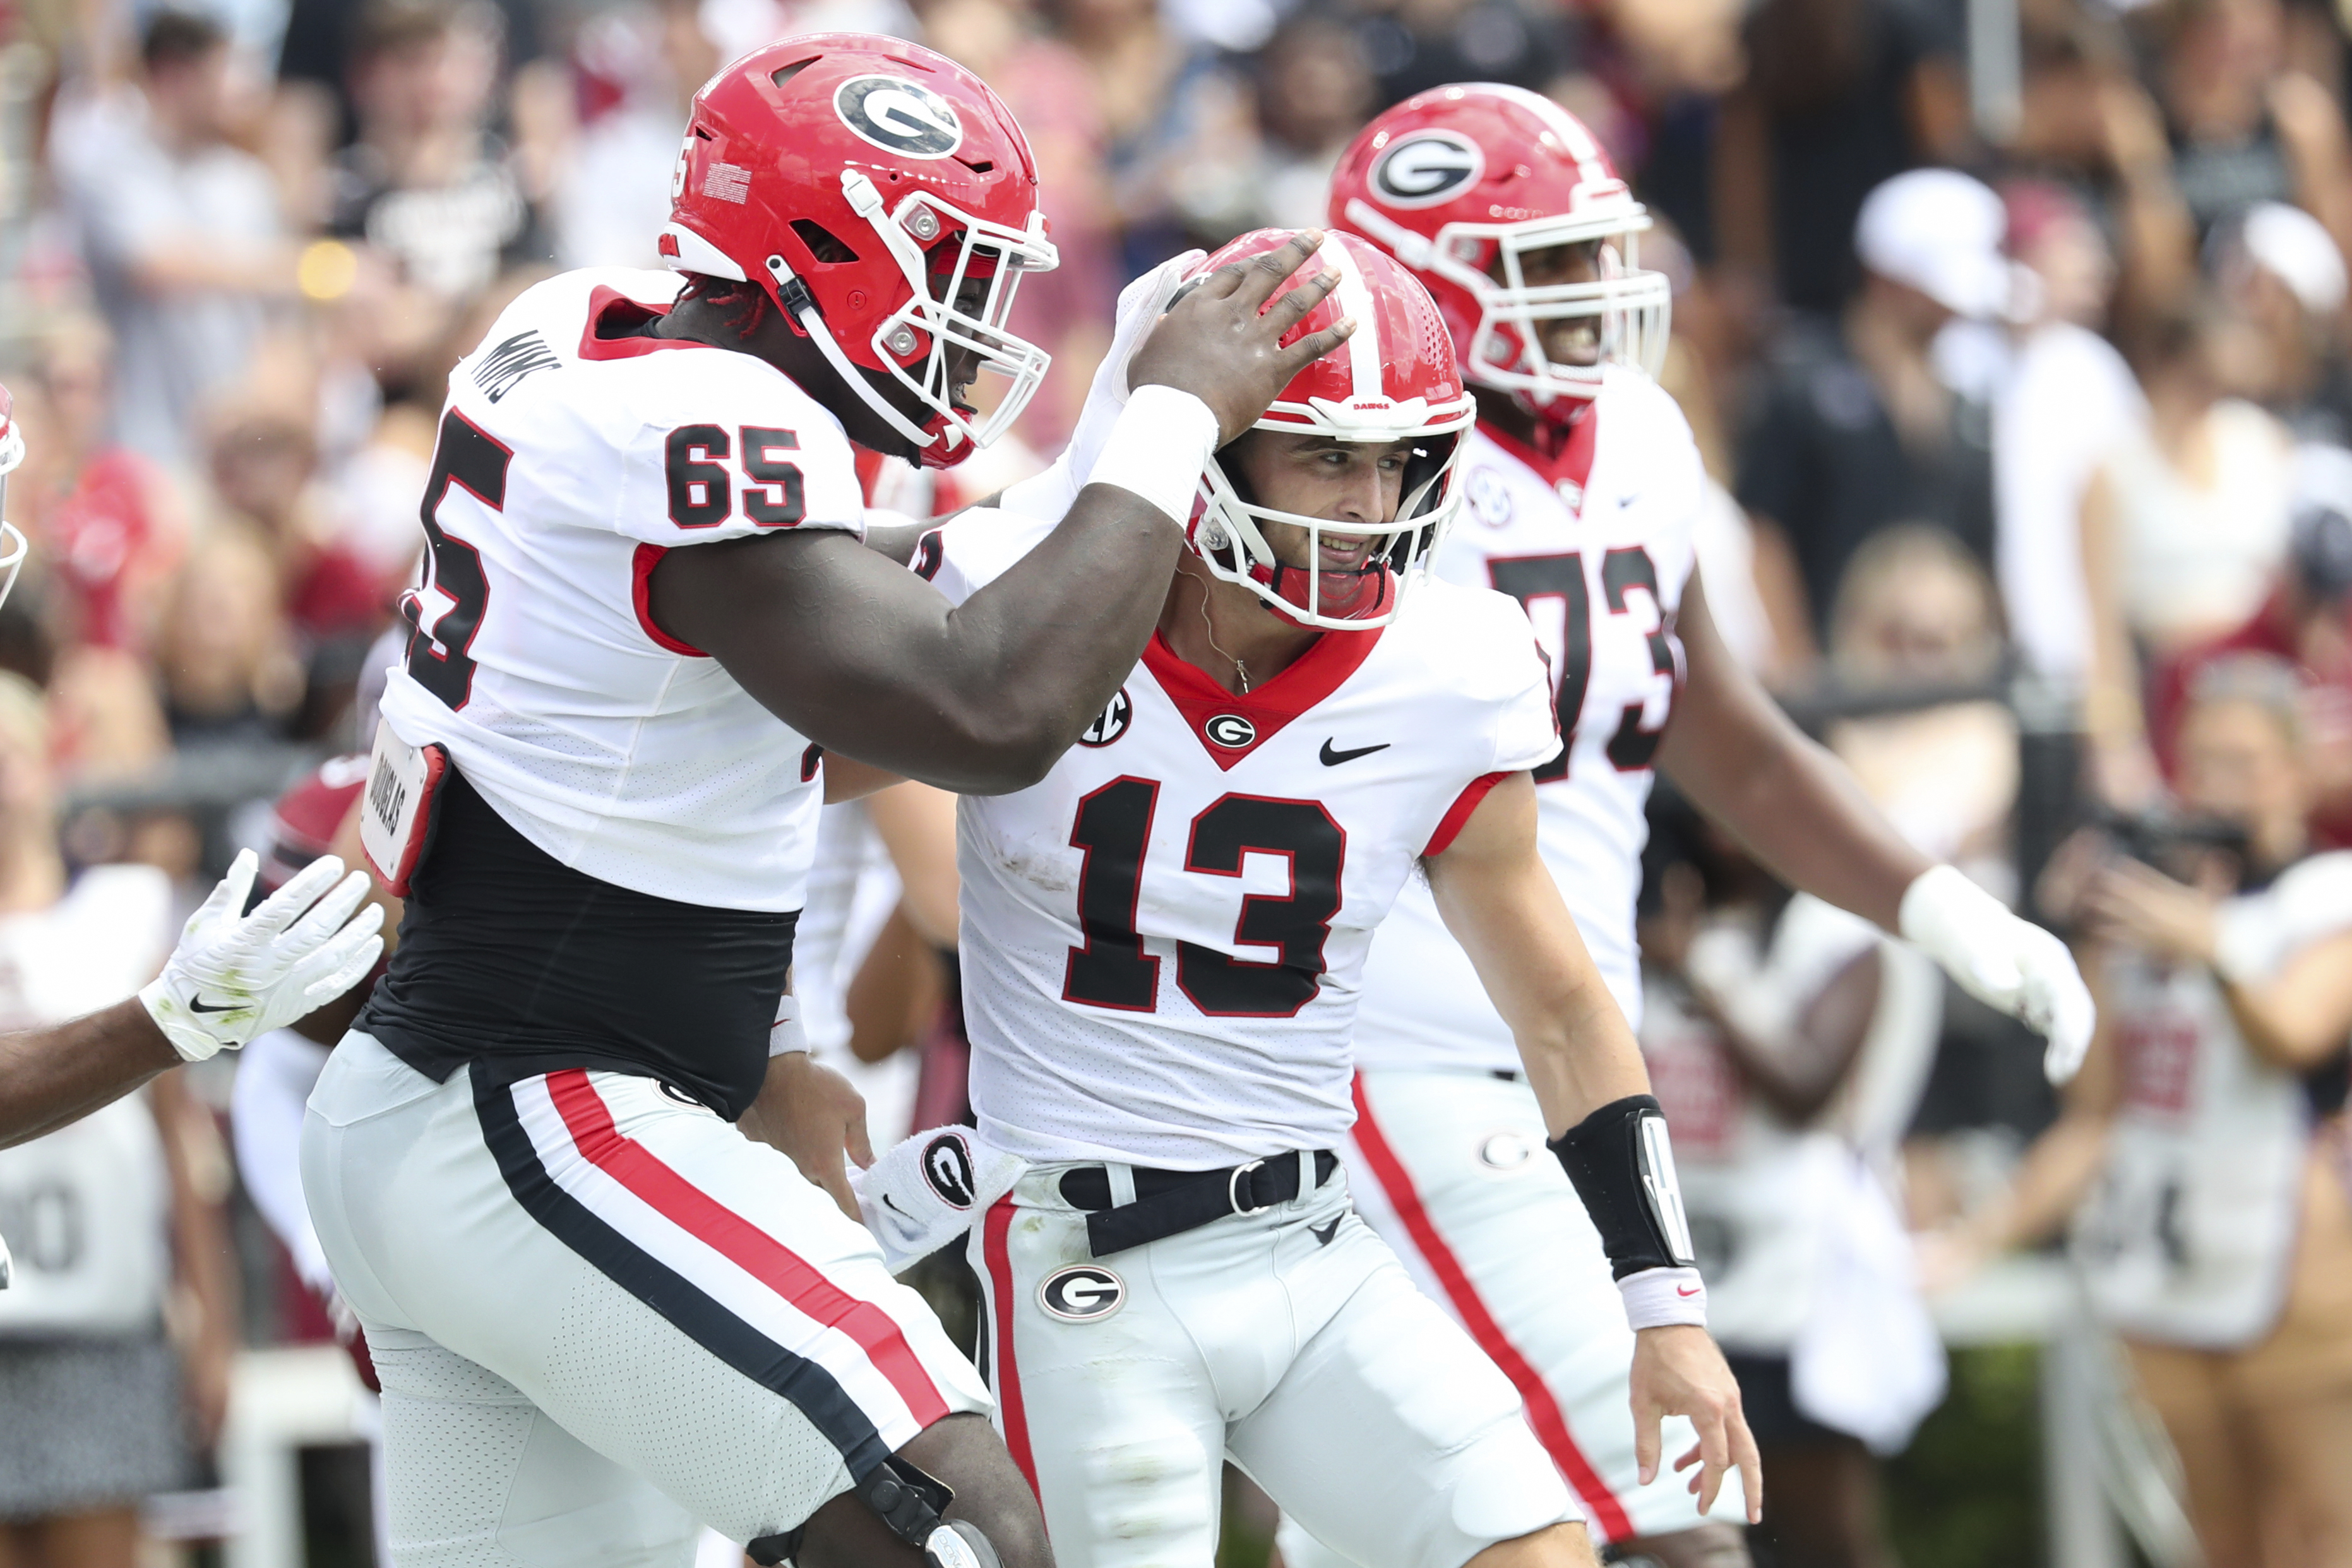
1576	552
575	450
1205	1046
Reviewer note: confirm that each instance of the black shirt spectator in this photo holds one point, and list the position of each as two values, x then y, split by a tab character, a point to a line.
1822	459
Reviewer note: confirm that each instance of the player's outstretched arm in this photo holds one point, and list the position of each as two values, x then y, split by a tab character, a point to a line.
1798	810
1498	899
981	698
232	977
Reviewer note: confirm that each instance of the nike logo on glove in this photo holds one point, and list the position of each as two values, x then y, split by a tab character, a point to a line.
1333	759
196	1005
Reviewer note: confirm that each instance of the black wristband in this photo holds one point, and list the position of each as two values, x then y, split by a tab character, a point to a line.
1621	1166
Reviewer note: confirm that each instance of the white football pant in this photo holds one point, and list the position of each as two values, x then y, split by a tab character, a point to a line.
1451	1170
1287	1340
601	1314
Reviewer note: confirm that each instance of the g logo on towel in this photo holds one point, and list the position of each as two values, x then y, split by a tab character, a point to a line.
947	1167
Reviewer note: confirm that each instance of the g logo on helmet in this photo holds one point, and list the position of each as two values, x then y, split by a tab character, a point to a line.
1427	169
898	116
1231	731
1081	1293
947	1167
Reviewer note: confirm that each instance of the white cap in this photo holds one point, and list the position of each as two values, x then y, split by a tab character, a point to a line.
1939	231
2293	246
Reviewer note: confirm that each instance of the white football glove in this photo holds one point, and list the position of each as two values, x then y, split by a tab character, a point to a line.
235	976
2002	961
1141	305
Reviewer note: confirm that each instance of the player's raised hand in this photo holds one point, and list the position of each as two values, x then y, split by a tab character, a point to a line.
1678	1371
1221	341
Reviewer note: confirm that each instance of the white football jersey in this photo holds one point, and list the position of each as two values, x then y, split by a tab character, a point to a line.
572	457
1163	941
2190	1238
1600	560
85	1209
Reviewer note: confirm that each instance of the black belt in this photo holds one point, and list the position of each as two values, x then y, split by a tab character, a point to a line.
1169	1203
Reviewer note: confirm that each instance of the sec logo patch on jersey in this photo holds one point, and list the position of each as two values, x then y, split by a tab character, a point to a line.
1111	723
1424	169
902	116
1081	1293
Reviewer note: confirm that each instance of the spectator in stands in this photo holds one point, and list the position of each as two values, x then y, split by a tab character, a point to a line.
2307	622
183	233
2206	1133
1841	96
229	672
2183	526
1854	429
1915	615
1415	44
2245	127
1313	91
2066	401
1787	1043
106	522
426	184
2283	276
104	1216
263	462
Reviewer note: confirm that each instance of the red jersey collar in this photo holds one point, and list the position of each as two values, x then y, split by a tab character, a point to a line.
1558	455
1231	724
608	305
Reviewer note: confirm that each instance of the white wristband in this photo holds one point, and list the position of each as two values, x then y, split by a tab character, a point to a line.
1159	447
786	1036
1660	1298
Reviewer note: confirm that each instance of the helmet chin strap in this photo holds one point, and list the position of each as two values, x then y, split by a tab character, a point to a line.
794	296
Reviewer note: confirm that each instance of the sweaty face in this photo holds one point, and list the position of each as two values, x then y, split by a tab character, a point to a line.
1318	476
1571	341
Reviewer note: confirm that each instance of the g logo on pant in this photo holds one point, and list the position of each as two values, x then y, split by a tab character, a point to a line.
1081	1293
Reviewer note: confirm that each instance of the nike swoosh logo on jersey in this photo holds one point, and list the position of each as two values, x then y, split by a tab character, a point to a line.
196	1005
1323	1233
1687	1290
1333	759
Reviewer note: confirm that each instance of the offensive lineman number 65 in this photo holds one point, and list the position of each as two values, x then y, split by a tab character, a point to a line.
447	610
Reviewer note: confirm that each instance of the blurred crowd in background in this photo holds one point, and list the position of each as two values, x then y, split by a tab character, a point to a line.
2012	456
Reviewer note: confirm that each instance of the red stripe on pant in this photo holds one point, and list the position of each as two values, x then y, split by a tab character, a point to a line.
998	1255
1543	1410
747	1246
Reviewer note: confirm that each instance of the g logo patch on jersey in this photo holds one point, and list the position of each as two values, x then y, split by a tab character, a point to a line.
899	115
1427	169
1081	1293
947	1167
1231	731
1111	723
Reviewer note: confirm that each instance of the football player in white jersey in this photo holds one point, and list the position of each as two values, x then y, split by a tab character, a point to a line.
1163	944
1582	487
599	1311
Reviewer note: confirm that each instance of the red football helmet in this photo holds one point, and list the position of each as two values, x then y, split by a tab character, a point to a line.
1461	184
1394	380
888	199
